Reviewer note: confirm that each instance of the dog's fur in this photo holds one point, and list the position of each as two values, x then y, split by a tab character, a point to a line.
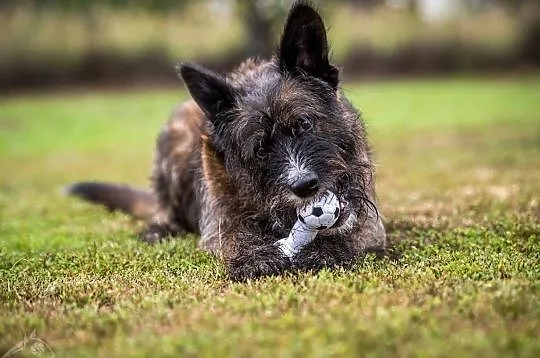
225	162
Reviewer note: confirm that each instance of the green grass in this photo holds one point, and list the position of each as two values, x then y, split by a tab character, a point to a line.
458	182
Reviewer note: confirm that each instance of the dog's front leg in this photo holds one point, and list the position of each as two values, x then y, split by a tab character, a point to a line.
326	251
253	256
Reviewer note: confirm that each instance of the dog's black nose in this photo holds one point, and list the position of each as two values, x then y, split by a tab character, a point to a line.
306	185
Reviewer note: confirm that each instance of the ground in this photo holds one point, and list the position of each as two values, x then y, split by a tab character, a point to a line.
458	181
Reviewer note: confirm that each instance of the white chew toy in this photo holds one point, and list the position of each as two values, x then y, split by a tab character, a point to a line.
318	215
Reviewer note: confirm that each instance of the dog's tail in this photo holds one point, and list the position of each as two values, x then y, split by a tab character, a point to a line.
138	203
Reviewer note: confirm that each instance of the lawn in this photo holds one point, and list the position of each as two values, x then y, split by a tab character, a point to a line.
458	181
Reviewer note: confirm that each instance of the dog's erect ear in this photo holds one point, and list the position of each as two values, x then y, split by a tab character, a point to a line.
208	89
304	47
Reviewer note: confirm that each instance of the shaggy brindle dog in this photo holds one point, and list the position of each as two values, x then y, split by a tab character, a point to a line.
235	163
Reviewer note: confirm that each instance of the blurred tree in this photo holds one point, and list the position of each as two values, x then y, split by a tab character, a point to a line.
528	12
261	19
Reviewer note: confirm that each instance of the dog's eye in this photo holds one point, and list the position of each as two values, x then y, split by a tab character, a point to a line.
260	152
305	125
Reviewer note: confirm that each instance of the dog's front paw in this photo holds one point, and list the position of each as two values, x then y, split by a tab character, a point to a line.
155	233
258	262
324	254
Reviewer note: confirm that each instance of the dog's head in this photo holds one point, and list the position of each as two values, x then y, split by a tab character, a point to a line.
282	128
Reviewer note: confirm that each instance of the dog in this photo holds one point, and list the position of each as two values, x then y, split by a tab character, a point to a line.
236	162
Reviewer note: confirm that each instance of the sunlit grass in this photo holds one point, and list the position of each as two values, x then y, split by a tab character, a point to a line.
458	184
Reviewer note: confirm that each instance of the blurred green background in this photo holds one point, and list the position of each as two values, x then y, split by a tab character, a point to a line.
48	43
85	87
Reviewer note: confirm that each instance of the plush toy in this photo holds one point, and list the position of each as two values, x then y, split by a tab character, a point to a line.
318	215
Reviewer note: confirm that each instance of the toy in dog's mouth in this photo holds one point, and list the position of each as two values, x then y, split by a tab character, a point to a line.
325	211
